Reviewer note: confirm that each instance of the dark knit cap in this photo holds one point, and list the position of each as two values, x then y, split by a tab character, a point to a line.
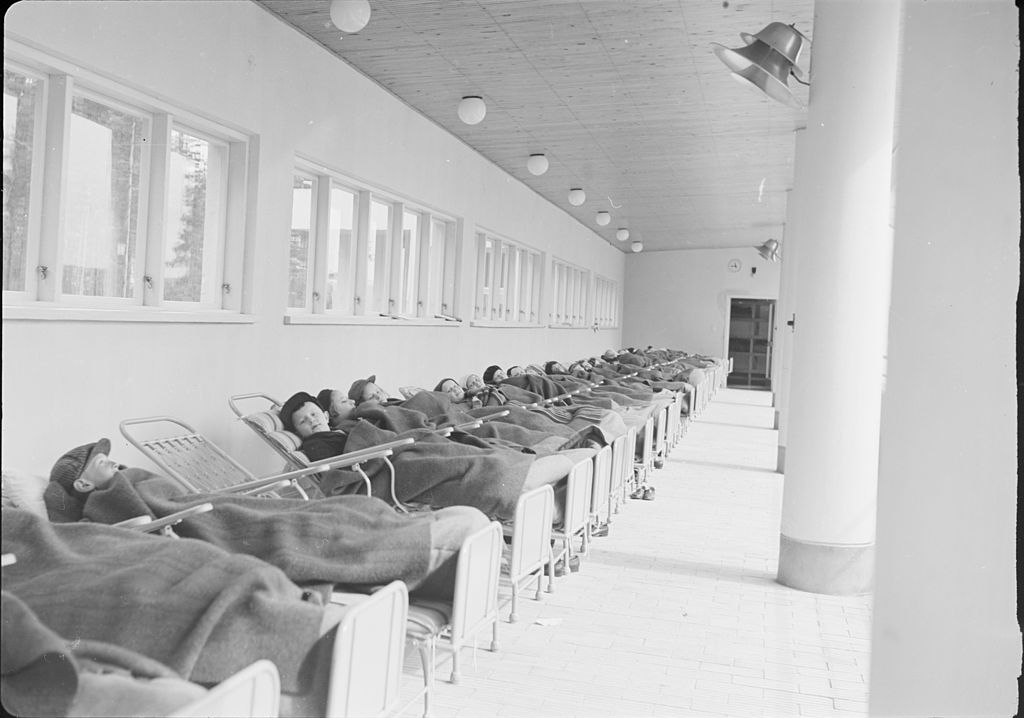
489	373
293	404
355	392
440	384
323	398
70	466
549	366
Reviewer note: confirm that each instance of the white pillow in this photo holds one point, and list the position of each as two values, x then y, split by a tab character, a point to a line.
22	490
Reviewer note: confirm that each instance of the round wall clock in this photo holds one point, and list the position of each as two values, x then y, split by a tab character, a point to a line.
734	265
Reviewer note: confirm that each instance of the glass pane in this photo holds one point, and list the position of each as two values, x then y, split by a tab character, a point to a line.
195	196
436	261
529	304
303	191
485	281
376	259
341	251
98	247
21	100
501	301
410	262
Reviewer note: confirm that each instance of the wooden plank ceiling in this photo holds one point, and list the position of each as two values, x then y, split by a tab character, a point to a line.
625	97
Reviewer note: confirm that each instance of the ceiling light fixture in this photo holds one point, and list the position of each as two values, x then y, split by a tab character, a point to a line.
577	196
472	109
767	61
622	234
770	250
637	246
350	15
537	164
603	218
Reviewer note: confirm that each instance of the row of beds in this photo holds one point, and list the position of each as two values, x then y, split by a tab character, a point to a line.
362	667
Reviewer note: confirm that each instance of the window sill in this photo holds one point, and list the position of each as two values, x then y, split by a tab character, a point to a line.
493	324
133	314
307	319
568	326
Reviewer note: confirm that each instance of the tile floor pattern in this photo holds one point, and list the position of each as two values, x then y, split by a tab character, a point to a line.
677	612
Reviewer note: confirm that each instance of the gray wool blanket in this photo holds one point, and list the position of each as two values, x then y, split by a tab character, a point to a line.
201	611
355	541
438	471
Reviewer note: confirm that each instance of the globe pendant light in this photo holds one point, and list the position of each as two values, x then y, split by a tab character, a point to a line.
472	109
603	218
577	196
622	234
350	15
637	246
537	164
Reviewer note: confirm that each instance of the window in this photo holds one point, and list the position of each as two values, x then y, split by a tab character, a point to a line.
299	264
377	258
143	213
569	299
341	250
507	281
441	263
368	254
22	104
195	218
606	302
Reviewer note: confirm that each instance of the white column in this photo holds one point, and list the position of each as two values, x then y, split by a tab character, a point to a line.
945	639
842	290
784	330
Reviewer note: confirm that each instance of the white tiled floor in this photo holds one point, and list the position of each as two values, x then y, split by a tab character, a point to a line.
677	612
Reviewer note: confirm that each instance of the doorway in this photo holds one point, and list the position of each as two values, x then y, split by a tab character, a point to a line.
751	333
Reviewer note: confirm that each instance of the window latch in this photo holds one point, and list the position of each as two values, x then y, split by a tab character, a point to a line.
148	281
42	271
226	287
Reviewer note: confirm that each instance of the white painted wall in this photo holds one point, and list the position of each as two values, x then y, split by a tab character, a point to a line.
68	382
945	639
681	299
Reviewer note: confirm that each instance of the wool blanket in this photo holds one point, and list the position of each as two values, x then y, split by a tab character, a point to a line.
534	383
521	428
519	395
201	611
355	541
435	470
44	675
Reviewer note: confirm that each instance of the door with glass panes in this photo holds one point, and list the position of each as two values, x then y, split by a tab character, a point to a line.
751	327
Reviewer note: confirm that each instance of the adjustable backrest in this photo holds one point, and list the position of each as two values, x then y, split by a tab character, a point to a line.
268	425
184	455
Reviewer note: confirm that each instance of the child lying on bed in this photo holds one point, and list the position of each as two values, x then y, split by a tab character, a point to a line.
438	471
355	541
201	612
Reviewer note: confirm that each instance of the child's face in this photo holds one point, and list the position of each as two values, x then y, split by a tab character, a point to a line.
97	473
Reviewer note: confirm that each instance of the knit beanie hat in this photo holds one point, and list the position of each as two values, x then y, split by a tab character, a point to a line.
489	373
293	404
323	398
440	384
71	465
355	392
